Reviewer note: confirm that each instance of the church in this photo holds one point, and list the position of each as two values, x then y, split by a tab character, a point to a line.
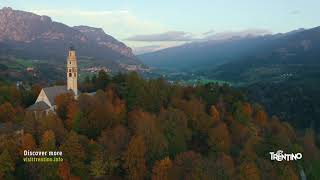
46	99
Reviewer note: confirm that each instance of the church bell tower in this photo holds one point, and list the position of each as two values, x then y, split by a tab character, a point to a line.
72	71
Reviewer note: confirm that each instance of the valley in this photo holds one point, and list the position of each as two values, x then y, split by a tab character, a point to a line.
223	90
280	71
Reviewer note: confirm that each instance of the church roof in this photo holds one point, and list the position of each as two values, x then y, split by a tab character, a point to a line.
38	106
54	91
51	93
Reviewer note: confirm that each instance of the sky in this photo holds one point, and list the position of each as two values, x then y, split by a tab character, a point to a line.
148	25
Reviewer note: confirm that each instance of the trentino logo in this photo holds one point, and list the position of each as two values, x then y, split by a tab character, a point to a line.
280	156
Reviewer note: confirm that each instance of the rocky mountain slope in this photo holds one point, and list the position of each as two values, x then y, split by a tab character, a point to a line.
27	35
103	39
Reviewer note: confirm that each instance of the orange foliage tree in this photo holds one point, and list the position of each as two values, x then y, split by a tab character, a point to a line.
145	125
64	170
219	138
135	159
27	142
161	168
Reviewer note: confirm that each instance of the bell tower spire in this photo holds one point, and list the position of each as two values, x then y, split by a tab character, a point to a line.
72	71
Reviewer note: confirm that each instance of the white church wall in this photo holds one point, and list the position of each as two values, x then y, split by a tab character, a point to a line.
43	97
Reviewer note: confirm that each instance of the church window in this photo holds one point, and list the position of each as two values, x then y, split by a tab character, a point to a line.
74	74
69	70
70	74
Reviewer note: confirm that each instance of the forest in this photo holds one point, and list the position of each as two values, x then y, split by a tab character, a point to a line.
134	128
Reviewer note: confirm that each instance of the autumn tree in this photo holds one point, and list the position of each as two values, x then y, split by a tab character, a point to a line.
135	158
249	171
199	120
74	153
288	172
104	110
62	102
267	168
248	151
282	134
145	125
11	94
174	124
27	142
48	170
115	140
242	112
64	170
73	111
221	106
155	95
48	141
219	139
247	110
187	165
54	123
98	166
114	143
239	133
215	115
220	166
11	144
261	118
161	168
7	165
7	112
30	124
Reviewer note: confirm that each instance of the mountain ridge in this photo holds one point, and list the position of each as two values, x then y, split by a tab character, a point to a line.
28	35
211	54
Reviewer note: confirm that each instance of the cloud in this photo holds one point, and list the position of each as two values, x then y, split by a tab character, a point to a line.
167	36
67	12
208	33
120	23
237	34
146	49
156	42
295	12
182	36
155	46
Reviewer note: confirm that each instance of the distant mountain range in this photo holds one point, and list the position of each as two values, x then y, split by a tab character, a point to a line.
27	35
246	58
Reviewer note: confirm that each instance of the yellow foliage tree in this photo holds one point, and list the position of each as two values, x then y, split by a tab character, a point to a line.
215	114
161	168
134	158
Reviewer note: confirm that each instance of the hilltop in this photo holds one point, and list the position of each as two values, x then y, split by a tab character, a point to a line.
30	36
